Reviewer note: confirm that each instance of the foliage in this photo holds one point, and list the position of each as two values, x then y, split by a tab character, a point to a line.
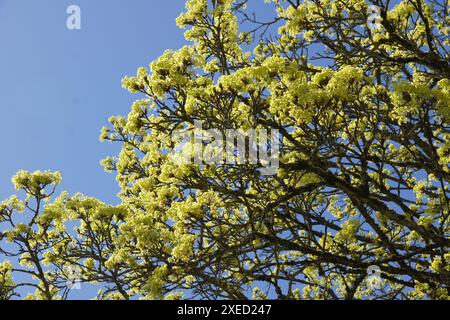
363	178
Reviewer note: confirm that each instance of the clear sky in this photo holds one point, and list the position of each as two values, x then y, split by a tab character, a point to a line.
58	86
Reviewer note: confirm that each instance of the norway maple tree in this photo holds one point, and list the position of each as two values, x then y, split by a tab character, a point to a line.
362	105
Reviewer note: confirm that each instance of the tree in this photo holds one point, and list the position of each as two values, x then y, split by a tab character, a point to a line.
362	105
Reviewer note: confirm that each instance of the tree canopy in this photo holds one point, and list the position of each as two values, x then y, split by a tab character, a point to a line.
363	112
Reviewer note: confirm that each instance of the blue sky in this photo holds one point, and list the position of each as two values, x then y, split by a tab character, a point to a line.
58	86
